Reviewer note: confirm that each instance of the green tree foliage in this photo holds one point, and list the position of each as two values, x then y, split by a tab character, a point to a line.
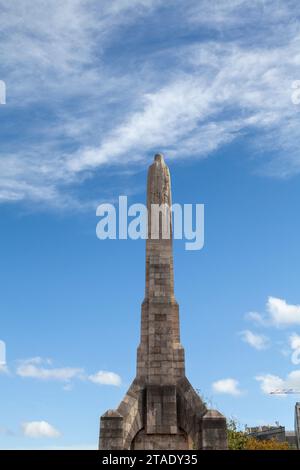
239	440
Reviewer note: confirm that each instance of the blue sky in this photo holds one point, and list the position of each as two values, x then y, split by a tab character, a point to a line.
94	89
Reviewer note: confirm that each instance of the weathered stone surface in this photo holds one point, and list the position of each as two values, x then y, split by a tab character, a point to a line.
161	410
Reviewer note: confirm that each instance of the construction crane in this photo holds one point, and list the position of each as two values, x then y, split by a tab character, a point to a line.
285	391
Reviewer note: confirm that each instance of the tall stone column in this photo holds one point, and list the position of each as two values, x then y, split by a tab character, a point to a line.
161	410
160	358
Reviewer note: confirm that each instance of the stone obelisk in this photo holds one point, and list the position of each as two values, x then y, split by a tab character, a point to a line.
161	410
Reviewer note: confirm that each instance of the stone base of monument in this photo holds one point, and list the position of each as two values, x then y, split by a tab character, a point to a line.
167	417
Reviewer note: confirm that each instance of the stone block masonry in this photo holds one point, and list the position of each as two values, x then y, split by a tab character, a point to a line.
161	410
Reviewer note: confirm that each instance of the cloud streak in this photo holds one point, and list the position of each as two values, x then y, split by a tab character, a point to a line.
42	369
77	110
255	340
39	429
227	386
105	378
278	313
270	383
63	374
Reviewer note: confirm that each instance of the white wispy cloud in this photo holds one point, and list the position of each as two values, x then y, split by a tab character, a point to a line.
230	14
270	383
187	100
32	368
42	369
183	118
3	366
105	378
227	386
37	360
51	59
257	318
294	342
37	429
281	313
278	313
257	341
61	40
